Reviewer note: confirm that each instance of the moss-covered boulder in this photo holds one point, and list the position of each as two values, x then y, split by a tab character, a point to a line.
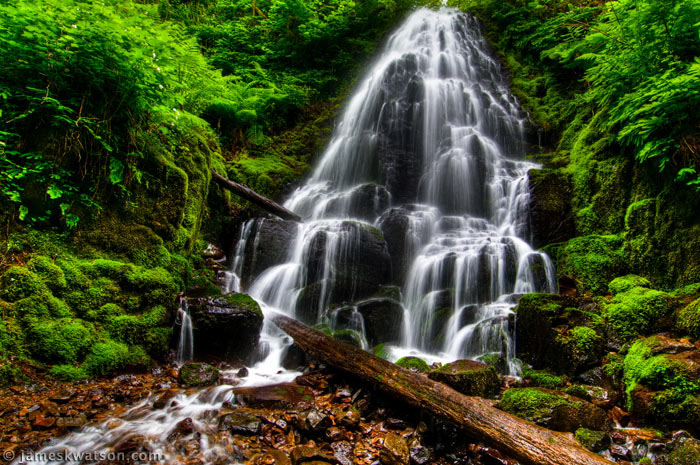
273	240
688	319
468	377
662	382
592	440
637	310
685	452
414	364
554	410
195	374
226	326
553	333
383	319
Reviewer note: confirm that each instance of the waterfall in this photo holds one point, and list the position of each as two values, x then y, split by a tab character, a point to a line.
185	345
429	151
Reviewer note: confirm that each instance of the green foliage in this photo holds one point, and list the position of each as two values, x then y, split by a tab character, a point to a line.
636	311
18	282
625	283
688	319
10	374
67	373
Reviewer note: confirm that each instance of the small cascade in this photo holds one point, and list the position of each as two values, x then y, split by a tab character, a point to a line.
422	186
185	345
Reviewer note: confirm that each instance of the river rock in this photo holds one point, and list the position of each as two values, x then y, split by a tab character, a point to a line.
395	450
272	457
383	320
272	244
551	216
196	374
468	377
308	455
342	452
284	395
226	326
554	410
240	423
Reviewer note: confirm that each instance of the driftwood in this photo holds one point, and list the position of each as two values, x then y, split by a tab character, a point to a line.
520	439
249	194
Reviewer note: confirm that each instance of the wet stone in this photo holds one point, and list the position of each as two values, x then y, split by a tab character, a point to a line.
240	423
182	428
342	451
74	421
395	450
308	455
195	374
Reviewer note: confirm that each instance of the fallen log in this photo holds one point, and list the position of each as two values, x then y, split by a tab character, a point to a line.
249	194
521	439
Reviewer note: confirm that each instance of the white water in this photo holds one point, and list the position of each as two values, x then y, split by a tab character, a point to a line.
185	345
431	136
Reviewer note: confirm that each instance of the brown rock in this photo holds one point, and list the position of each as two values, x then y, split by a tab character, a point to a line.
395	450
73	421
41	422
281	396
307	454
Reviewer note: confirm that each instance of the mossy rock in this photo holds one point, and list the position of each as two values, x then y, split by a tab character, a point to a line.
541	378
110	357
195	374
64	340
592	440
49	272
468	377
18	282
637	311
625	283
413	364
688	319
349	336
686	452
554	410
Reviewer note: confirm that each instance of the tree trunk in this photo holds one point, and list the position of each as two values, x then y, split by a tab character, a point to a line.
520	439
252	196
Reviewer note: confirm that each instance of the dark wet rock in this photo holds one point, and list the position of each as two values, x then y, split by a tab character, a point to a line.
554	334
395	224
240	423
315	420
164	399
468	377
334	433
686	451
418	453
196	374
395	423
182	428
294	358
349	419
271	457
551	217
226	326
275	396
620	452
242	373
342	452
213	252
554	410
62	396
395	450
273	240
383	320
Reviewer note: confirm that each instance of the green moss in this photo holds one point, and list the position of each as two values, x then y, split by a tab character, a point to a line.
18	282
583	339
107	358
63	340
243	301
413	363
10	374
51	273
133	329
625	283
349	336
40	306
543	379
198	374
591	440
105	313
592	260
688	319
389	292
530	403
11	336
547	303
687	453
68	373
636	311
101	291
380	351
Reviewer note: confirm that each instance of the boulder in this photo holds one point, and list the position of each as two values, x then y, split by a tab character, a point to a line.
240	423
383	320
394	225
226	326
551	216
468	377
552	333
196	374
272	244
284	395
365	202
554	410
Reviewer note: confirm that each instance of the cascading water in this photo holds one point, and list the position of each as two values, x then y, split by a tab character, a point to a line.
422	187
185	344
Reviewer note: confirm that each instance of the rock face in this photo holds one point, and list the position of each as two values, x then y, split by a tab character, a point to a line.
195	374
365	202
551	333
468	377
271	247
226	326
554	410
551	217
383	320
359	267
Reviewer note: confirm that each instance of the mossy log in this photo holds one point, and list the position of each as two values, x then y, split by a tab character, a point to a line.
520	439
252	196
